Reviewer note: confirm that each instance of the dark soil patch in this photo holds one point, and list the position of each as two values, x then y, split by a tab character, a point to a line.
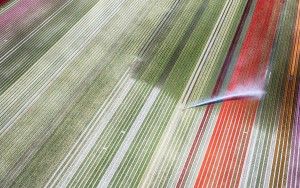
2	2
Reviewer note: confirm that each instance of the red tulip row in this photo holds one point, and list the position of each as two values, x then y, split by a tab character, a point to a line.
224	158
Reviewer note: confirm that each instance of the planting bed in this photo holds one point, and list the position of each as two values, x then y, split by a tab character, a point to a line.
96	93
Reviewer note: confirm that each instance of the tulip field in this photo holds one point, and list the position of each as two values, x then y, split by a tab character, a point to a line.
149	93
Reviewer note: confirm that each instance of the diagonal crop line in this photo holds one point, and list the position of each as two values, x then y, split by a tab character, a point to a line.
158	36
194	78
158	180
118	157
110	107
249	70
102	125
32	33
198	89
4	8
125	178
68	61
182	43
